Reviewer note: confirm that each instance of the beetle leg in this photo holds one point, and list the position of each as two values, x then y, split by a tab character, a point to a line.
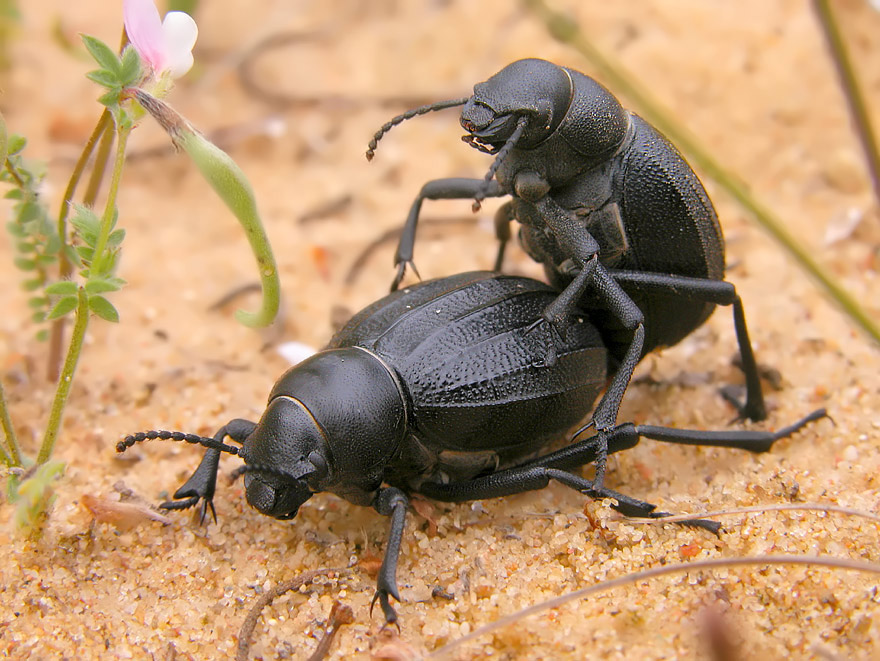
584	249
502	231
741	439
534	476
392	502
537	473
718	292
203	482
438	189
556	314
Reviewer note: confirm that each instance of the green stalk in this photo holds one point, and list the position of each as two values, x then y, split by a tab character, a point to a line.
56	339
102	157
229	182
233	187
104	123
110	209
858	109
13	456
564	29
65	380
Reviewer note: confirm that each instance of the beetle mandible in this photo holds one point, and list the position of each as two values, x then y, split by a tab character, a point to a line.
620	221
436	390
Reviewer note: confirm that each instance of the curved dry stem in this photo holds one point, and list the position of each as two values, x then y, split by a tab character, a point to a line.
250	621
635	577
803	507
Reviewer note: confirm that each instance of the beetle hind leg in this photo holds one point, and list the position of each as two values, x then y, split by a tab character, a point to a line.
537	473
718	292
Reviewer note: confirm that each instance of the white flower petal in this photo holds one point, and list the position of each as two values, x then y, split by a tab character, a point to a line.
180	33
178	65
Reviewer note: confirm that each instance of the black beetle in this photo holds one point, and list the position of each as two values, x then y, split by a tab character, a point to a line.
619	220
435	389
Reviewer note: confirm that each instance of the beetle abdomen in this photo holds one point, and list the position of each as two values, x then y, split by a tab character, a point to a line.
476	379
672	228
671	224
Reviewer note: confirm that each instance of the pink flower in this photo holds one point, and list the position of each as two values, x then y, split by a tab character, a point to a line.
164	45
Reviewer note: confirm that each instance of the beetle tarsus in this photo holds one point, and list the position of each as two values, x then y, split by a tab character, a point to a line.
401	271
391	502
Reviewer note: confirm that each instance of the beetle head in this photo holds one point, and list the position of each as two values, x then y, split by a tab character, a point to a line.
285	457
535	89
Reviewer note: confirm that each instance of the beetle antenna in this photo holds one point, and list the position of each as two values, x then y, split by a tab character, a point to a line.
268	470
409	114
499	159
195	439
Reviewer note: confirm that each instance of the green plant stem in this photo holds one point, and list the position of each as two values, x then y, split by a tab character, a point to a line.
564	29
855	101
56	339
109	216
13	456
65	380
102	157
104	123
12	173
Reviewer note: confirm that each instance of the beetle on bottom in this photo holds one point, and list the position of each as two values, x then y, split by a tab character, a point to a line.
436	389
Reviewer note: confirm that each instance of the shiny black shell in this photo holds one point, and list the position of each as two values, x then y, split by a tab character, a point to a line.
638	198
479	394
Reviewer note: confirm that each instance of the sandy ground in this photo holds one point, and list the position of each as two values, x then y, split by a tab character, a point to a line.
750	78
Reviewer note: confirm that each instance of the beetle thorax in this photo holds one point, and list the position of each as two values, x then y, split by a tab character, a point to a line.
359	406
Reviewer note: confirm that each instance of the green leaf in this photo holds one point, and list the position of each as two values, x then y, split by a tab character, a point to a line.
63	288
25	247
85	253
14	194
42	335
29	210
38	317
15	145
53	243
87	223
115	238
62	307
25	264
102	53
103	308
111	98
71	254
131	67
38	302
33	284
104	78
101	286
45	260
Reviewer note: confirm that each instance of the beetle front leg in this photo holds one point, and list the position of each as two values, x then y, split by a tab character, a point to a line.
502	232
203	482
438	189
392	502
576	241
573	239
